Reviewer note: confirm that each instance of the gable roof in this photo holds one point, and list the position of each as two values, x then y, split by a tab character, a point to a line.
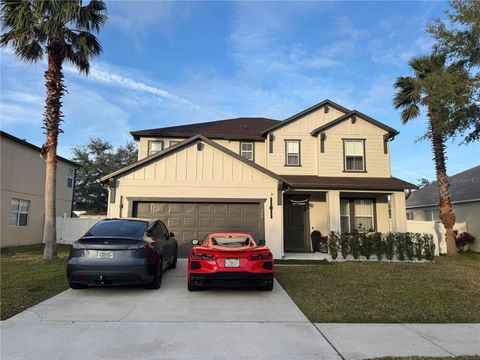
306	112
181	145
346	183
464	187
34	147
391	131
244	128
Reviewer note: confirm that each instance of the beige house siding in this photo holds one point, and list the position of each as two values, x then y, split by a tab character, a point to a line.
23	177
464	212
233	145
299	130
331	162
206	174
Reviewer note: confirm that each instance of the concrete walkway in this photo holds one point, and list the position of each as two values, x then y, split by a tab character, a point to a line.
121	323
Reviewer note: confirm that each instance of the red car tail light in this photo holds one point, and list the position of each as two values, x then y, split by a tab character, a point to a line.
151	254
199	256
263	256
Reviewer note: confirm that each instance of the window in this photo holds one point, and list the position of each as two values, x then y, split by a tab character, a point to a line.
247	150
409	215
431	215
292	152
344	215
354	155
70	176
19	212
174	142
364	215
154	147
120	228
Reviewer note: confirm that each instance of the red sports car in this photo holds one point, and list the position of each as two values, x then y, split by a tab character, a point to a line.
230	260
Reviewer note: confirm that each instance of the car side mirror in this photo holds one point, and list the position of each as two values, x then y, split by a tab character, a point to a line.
172	234
261	242
195	242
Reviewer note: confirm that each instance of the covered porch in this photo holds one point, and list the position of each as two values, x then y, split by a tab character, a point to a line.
307	209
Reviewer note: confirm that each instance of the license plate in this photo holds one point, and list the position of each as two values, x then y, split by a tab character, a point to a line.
105	254
232	262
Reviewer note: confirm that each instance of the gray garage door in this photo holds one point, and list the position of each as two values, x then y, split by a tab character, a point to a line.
194	220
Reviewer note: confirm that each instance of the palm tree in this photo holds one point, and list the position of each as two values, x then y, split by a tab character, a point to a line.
57	30
424	90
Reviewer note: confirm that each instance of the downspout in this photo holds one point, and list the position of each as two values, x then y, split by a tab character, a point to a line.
73	190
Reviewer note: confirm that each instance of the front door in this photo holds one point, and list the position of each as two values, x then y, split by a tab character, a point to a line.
295	223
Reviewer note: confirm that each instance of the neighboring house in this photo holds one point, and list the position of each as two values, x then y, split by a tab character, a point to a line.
465	194
23	188
325	168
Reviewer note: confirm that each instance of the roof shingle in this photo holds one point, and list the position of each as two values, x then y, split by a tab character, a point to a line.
248	128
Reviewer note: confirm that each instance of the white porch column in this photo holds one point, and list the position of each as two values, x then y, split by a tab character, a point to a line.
333	206
399	213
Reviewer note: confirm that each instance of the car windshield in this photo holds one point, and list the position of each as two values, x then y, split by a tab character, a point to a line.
121	228
231	240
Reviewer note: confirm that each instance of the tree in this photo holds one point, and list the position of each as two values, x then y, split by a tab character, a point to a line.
441	90
57	30
422	182
97	159
459	40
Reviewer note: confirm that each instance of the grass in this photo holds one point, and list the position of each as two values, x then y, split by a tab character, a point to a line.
446	291
27	279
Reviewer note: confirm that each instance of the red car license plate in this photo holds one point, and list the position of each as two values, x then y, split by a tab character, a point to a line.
232	262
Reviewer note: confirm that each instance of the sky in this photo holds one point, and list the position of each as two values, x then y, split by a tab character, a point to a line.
171	63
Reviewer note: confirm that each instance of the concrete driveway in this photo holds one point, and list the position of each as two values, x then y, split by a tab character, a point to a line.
120	323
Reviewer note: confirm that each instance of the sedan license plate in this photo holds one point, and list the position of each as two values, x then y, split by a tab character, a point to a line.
232	262
104	254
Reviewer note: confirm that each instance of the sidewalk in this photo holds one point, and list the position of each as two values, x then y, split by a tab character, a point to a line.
362	341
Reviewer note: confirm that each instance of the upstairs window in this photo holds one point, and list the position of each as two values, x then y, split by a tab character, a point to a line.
19	212
292	152
354	154
155	146
70	176
247	150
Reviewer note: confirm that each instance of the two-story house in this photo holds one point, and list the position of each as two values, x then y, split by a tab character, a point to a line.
325	168
22	191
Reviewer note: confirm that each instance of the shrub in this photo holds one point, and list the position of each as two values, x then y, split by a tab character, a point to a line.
418	244
400	245
409	248
390	245
333	244
464	238
344	244
378	245
366	243
428	247
355	244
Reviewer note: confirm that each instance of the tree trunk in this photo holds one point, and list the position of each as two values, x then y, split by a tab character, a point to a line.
447	216
53	117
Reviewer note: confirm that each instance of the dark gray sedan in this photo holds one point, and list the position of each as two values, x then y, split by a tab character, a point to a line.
122	252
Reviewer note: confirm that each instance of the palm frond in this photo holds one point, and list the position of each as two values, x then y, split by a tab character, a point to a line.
409	92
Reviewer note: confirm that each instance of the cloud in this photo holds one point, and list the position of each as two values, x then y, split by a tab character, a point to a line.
23	97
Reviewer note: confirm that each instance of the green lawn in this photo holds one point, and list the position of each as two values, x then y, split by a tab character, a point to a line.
26	279
446	291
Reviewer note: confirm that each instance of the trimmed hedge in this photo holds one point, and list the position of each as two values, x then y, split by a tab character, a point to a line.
401	246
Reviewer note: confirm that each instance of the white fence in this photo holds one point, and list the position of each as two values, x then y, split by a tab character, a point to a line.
436	229
71	229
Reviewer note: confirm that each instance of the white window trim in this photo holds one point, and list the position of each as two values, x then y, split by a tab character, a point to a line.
18	212
174	142
297	154
72	177
345	167
372	216
243	152
345	216
155	141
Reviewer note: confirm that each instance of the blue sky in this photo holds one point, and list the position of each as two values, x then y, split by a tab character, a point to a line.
176	63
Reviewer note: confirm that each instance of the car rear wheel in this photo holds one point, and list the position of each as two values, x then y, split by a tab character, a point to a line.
266	287
157	279
76	286
173	264
192	287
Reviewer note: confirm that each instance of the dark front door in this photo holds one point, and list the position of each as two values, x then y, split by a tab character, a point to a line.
295	223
